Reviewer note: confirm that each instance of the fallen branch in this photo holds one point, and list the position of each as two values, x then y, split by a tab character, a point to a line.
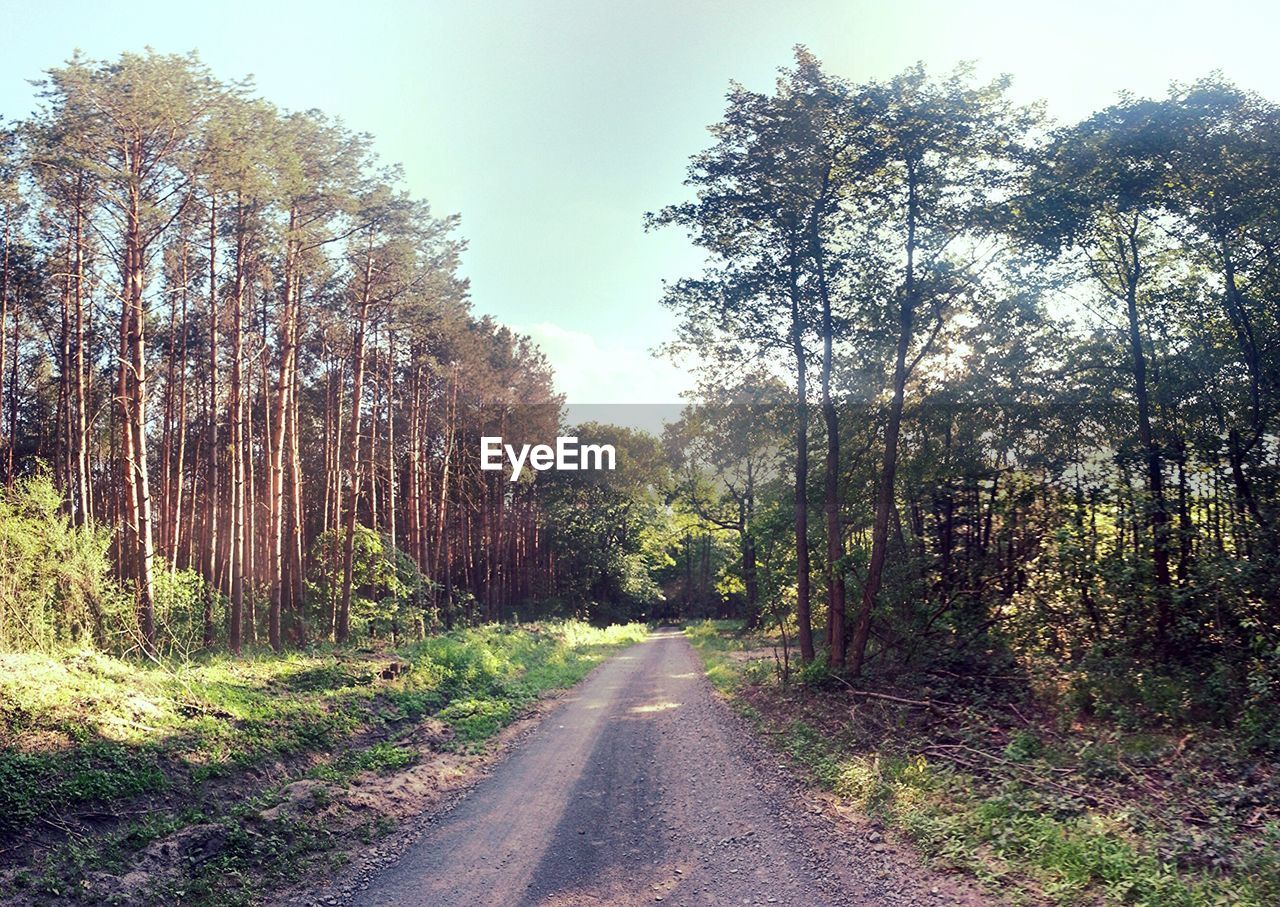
60	827
917	703
1022	773
1025	719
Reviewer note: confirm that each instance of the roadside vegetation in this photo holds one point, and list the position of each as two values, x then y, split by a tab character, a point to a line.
985	428
1005	775
136	752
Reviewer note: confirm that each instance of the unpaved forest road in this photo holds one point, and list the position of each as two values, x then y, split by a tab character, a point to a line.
638	789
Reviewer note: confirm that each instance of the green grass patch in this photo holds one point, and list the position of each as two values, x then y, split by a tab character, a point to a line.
85	731
716	641
482	682
86	728
381	757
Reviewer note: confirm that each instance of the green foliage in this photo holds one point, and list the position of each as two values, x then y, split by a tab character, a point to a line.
1088	489
181	596
388	591
1024	746
610	528
814	674
33	785
474	720
55	586
485	677
1260	717
377	758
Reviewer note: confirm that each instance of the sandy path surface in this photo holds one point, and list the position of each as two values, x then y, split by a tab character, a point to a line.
642	788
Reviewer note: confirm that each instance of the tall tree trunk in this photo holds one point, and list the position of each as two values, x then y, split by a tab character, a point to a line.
211	438
236	407
889	464
342	631
803	618
750	570
65	432
4	338
84	508
135	423
390	494
1158	512
167	541
292	592
831	484
16	310
279	425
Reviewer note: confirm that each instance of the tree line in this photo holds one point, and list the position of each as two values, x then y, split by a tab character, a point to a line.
231	337
971	381
1032	371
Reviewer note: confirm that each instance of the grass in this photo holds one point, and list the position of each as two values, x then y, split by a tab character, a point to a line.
1044	808
83	735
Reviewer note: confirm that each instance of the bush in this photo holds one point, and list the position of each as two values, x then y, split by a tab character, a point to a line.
55	587
1260	720
816	673
389	593
179	611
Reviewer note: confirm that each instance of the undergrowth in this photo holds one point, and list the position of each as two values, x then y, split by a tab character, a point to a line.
1035	802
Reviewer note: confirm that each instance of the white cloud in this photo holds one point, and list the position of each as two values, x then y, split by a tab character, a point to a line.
590	371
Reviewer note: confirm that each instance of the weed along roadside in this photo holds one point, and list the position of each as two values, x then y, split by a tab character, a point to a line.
998	780
219	781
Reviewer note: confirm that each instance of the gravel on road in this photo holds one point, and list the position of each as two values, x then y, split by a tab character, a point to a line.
642	787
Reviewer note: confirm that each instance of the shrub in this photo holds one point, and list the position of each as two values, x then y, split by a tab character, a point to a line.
388	591
55	587
179	611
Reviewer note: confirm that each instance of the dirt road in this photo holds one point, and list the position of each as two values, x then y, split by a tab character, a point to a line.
642	788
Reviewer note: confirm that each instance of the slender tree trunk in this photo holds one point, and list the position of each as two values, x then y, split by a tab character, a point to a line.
251	492
236	407
390	494
180	456
168	543
279	426
375	420
803	619
84	509
292	593
889	464
4	337
135	423
64	431
413	504
211	440
750	570
343	629
831	484
1238	314
16	310
1159	516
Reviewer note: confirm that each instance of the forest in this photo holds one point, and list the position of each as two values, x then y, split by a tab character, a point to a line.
231	336
972	378
979	395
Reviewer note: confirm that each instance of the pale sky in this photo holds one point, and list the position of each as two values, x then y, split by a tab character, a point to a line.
553	125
